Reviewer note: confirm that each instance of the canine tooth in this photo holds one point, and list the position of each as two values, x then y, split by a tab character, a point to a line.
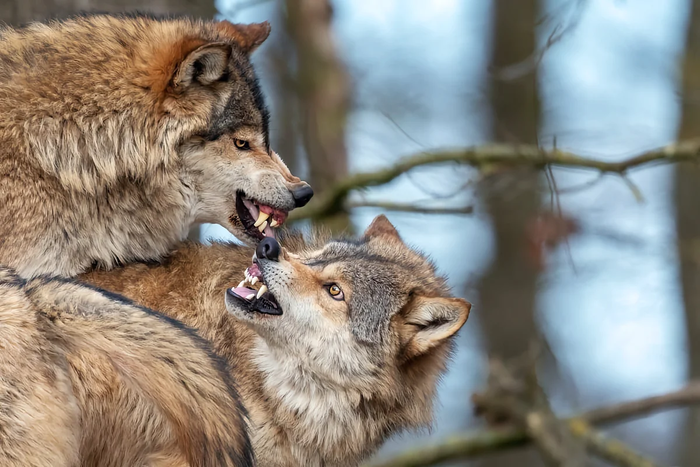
262	217
250	297
241	284
262	226
254	281
274	223
262	290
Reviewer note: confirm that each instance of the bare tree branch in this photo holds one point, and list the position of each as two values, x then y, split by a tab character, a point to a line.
611	450
485	157
460	446
463	446
689	395
408	207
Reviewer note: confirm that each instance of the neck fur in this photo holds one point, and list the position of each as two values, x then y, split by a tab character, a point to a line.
319	416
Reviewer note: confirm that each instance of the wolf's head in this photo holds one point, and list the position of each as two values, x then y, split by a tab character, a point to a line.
241	183
369	317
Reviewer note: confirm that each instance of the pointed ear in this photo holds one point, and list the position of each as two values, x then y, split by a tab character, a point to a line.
248	36
381	226
432	320
204	65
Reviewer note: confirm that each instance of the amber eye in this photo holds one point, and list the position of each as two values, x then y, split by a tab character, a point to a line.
336	292
240	144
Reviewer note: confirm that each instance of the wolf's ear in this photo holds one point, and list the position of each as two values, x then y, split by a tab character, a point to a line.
248	36
205	64
430	321
381	226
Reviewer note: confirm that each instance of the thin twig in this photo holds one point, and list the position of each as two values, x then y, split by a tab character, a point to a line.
557	202
636	192
464	446
581	186
331	202
531	63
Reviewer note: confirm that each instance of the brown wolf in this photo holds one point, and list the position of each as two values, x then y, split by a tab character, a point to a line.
117	133
90	379
341	346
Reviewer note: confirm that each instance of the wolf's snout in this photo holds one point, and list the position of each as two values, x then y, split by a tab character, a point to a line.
268	248
302	195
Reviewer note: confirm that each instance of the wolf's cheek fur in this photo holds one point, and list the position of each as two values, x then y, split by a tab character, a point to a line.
219	171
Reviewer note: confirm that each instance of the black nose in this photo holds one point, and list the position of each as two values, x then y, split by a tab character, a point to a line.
268	248
302	195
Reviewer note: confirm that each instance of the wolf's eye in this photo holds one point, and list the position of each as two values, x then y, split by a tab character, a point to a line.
240	144
336	292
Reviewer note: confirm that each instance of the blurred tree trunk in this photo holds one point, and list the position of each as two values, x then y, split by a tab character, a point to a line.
19	12
323	90
507	290
284	128
687	197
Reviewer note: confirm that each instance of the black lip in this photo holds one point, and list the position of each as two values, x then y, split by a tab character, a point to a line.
246	219
267	304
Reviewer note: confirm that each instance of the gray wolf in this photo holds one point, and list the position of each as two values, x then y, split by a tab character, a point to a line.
90	379
117	133
333	345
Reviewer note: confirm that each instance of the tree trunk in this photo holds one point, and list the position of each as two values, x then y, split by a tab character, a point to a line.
687	195
508	289
323	90
285	128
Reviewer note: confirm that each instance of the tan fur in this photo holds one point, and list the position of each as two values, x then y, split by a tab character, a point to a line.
315	395
117	134
91	380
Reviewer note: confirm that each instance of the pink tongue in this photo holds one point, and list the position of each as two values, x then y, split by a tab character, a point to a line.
243	291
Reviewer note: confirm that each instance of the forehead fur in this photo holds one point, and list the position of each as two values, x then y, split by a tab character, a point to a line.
383	272
245	105
138	55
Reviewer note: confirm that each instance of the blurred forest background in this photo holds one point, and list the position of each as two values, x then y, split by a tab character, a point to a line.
602	271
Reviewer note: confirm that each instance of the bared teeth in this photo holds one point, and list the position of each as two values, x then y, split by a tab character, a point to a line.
262	290
242	284
274	223
254	281
262	217
250	297
262	226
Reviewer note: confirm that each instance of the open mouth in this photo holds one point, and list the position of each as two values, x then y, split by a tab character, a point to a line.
254	294
258	220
